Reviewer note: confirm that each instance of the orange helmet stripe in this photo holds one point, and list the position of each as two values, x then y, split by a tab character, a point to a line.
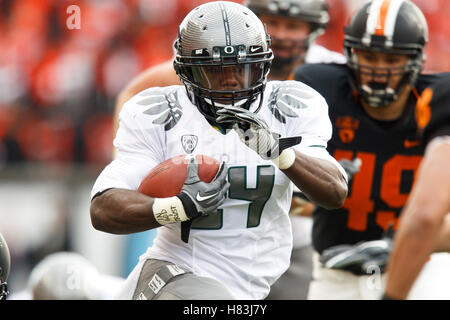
379	30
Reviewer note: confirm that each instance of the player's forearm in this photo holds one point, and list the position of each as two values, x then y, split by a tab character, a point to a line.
443	239
320	180
433	191
421	223
413	244
121	211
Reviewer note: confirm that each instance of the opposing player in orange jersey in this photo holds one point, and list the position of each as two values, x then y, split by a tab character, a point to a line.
372	102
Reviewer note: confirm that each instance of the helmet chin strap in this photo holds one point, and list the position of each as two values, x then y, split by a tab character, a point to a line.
217	104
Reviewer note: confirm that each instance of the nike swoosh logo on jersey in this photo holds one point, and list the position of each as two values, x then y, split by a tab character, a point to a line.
253	49
200	198
411	143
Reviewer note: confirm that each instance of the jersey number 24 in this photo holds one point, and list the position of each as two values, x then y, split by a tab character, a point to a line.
258	196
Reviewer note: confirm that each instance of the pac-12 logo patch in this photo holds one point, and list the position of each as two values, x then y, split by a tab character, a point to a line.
189	142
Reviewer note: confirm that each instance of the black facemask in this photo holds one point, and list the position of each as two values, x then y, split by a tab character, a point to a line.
3	291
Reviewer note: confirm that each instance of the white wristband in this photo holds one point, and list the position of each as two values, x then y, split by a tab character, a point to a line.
169	210
286	159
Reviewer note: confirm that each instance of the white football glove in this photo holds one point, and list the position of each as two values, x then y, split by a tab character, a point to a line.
351	167
255	133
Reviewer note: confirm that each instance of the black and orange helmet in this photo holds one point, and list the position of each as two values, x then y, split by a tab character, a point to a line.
392	27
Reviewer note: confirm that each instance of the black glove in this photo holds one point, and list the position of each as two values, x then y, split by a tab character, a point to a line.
350	167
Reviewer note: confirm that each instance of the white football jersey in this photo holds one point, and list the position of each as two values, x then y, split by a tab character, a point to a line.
247	245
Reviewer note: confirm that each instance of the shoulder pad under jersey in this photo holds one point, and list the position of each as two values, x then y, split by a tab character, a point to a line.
289	97
161	104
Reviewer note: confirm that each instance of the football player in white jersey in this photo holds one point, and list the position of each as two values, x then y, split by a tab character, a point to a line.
293	25
240	239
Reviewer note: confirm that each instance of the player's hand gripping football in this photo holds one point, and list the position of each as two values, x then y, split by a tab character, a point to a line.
200	198
196	198
255	133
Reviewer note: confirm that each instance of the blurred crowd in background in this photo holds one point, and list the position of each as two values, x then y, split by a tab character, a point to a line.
57	92
58	85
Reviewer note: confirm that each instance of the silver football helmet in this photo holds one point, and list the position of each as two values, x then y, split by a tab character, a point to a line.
223	56
64	276
5	265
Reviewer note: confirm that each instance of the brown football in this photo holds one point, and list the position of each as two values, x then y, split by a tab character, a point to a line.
167	178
